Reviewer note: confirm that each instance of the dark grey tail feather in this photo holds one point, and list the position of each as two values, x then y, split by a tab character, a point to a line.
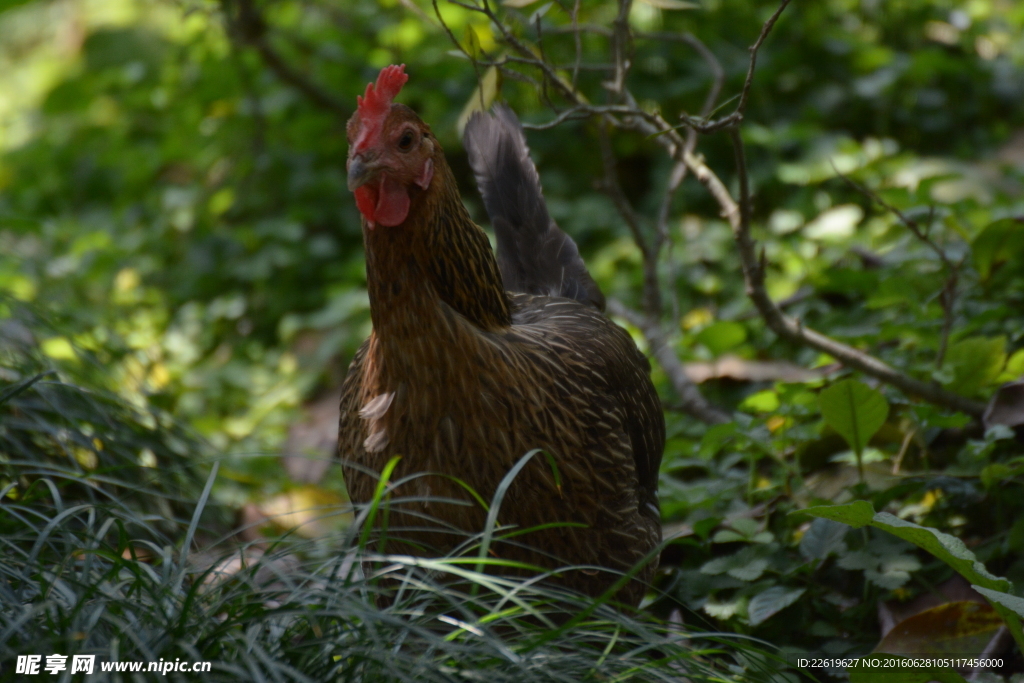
534	255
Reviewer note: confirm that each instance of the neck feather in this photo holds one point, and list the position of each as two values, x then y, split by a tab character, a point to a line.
437	256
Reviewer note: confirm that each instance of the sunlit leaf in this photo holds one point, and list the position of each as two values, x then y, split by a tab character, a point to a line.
722	336
835	224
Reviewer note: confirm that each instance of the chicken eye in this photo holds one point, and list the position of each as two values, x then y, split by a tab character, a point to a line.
405	143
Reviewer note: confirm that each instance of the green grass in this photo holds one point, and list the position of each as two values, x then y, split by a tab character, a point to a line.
102	555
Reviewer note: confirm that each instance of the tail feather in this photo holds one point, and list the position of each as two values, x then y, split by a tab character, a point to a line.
534	255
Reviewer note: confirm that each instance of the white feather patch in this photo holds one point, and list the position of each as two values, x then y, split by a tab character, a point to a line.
375	408
377	441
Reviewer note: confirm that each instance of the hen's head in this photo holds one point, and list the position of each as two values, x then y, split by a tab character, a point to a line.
390	151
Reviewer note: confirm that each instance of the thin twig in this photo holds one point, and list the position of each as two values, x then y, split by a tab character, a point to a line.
949	292
912	225
577	43
741	107
678	175
620	46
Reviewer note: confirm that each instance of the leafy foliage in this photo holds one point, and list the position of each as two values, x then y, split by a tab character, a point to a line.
176	236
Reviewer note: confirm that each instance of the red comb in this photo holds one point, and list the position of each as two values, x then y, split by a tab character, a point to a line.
375	104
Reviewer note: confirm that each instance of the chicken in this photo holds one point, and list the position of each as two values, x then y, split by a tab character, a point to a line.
460	378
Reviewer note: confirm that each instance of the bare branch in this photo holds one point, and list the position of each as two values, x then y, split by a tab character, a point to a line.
577	42
701	124
741	107
753	273
912	225
794	331
693	402
678	174
620	45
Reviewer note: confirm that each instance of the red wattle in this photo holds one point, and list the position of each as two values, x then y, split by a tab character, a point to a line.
366	201
392	202
383	203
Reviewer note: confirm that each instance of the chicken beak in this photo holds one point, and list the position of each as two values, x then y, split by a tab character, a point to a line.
360	171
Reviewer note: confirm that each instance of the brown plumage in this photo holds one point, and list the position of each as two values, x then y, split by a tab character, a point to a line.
462	378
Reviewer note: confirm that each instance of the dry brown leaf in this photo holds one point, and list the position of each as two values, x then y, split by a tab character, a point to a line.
1006	407
954	589
964	627
741	369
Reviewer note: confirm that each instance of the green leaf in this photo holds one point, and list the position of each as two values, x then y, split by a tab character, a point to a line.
893	572
855	410
769	602
482	98
949	549
1011	602
823	538
856	514
716	437
766	401
997	243
722	336
1014	368
1010	608
976	363
472	42
746	565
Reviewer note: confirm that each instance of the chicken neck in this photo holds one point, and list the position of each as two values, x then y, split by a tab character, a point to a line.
437	257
